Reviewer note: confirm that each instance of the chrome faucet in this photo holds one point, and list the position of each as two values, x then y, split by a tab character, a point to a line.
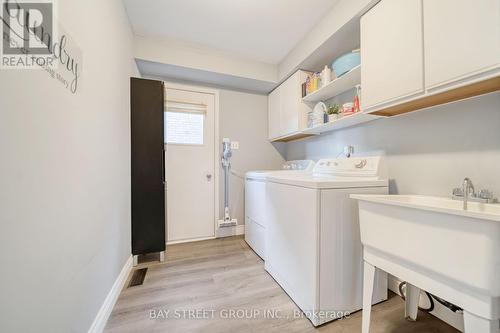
467	193
467	189
347	151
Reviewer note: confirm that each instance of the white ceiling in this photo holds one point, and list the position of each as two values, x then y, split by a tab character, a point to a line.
262	30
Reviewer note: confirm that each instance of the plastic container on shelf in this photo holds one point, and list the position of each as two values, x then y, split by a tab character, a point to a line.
348	109
326	76
346	62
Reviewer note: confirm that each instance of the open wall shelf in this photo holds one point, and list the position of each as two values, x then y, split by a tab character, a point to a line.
336	87
347	121
293	137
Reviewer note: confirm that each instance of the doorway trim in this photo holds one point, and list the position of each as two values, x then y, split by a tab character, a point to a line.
215	92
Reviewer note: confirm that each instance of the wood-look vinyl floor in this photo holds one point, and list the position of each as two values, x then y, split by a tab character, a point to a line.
201	283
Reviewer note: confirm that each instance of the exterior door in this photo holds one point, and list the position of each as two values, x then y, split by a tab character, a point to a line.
190	164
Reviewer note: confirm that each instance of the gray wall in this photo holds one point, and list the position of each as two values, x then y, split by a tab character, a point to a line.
243	118
429	151
65	178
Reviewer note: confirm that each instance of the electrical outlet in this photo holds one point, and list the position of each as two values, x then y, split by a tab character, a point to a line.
235	145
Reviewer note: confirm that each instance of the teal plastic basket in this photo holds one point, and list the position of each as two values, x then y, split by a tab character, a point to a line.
346	62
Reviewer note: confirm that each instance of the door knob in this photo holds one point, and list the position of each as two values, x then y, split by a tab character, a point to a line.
209	176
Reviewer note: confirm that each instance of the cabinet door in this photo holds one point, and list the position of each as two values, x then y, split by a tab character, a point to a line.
274	113
462	39
289	103
391	52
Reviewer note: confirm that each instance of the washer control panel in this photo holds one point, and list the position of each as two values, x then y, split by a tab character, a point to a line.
369	166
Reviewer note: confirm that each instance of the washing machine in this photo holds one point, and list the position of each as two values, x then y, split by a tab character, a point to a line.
255	201
313	247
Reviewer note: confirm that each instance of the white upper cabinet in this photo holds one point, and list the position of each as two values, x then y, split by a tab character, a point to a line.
412	50
274	114
392	52
287	112
462	40
289	117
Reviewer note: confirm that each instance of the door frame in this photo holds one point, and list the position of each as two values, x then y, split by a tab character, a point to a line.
215	93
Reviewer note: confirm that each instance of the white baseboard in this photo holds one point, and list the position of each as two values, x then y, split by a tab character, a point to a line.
230	231
110	300
454	319
219	233
189	240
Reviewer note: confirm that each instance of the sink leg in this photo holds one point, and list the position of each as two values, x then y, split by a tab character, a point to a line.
475	324
368	281
411	303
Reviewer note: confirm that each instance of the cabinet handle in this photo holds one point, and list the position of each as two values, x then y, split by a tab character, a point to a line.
163	165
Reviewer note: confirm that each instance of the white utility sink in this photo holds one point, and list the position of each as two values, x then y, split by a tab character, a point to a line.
435	245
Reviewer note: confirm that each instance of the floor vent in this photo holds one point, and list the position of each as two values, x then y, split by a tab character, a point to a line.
138	277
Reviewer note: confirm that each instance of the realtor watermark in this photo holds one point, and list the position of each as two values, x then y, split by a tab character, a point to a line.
33	39
30	27
28	32
244	314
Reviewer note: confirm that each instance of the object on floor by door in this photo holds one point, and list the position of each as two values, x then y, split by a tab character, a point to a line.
226	164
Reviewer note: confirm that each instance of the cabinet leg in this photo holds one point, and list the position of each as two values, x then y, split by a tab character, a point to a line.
162	256
411	303
135	260
475	324
368	281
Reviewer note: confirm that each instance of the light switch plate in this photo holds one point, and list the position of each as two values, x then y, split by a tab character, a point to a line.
235	145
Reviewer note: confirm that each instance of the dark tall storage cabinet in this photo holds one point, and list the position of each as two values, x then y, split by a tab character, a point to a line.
147	148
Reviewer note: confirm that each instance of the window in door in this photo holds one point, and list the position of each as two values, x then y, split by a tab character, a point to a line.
184	123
